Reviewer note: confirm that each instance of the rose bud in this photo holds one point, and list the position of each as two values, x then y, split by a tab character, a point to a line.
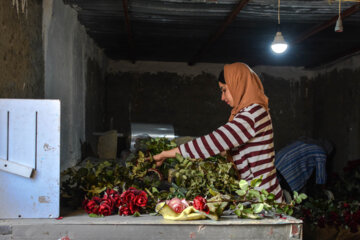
177	205
200	204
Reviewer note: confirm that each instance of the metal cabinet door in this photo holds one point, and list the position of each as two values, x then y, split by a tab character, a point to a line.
29	158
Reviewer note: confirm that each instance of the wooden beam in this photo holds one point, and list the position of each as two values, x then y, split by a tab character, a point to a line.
346	13
129	32
229	19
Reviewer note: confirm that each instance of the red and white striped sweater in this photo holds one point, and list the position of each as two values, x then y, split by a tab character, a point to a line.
249	137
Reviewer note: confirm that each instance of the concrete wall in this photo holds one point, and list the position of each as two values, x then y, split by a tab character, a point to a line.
21	55
72	61
337	108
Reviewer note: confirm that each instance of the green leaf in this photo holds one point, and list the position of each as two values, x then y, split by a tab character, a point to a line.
240	192
262	197
258	207
290	212
154	190
248	210
264	192
213	192
295	194
136	214
271	196
179	157
255	182
252	216
240	206
93	215
254	194
82	172
303	196
238	212
243	184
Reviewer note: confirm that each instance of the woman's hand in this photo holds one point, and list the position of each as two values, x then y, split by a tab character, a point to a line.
161	157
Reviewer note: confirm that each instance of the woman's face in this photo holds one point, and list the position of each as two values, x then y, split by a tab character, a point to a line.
226	95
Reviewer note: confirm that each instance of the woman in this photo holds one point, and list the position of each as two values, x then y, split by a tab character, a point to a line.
247	137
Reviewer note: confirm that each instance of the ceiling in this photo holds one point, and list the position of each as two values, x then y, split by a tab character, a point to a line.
221	31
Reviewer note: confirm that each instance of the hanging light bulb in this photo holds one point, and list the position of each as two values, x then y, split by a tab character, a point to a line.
339	25
279	44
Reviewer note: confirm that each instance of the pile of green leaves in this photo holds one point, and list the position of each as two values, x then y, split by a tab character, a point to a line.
198	177
213	178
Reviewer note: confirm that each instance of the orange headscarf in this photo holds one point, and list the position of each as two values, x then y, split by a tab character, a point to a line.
245	87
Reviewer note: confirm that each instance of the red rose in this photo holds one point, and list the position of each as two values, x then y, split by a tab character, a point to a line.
105	209
200	204
132	207
177	205
117	201
109	200
127	196
111	192
97	199
134	190
123	210
141	199
92	206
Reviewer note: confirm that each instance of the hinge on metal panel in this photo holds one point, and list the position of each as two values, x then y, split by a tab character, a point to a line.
16	168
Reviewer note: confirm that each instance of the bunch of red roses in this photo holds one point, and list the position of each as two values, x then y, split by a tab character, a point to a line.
127	203
131	201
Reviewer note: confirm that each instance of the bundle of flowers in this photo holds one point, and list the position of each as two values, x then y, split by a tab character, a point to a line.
181	209
127	203
179	205
324	213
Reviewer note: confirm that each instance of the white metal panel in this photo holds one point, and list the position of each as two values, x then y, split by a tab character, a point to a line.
32	134
22	127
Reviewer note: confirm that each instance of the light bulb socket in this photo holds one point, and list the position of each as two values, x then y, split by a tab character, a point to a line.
339	26
279	38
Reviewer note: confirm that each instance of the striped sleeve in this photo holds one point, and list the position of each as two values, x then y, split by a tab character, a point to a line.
233	134
320	169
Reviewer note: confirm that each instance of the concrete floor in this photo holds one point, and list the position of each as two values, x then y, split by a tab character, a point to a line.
79	226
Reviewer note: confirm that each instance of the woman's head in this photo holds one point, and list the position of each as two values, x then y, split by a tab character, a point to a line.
226	95
241	87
